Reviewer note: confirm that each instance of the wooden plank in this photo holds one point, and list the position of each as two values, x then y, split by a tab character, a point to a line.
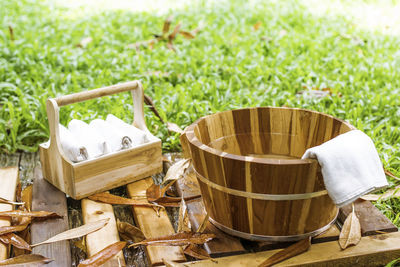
47	197
27	164
94	211
375	250
371	218
223	244
9	180
153	225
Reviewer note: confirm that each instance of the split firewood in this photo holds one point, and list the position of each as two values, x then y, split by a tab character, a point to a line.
169	263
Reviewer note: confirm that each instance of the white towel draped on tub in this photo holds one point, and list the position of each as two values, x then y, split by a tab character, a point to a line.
71	146
350	166
114	137
95	144
136	135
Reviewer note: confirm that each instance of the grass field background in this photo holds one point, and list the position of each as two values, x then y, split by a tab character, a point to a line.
249	53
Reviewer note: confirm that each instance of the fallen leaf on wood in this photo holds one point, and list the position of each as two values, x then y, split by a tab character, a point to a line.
13	228
84	42
169	263
257	25
128	232
113	199
203	224
183	218
187	35
172	127
76	232
148	101
178	239
351	231
103	255
11	30
287	253
176	171
30	260
6	201
34	214
155	192
18	192
15	240
197	252
26	196
394	192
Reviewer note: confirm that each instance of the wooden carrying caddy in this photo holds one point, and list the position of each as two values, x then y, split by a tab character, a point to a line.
85	178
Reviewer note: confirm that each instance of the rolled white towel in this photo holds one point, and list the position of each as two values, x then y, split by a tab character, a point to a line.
114	137
95	144
137	136
71	146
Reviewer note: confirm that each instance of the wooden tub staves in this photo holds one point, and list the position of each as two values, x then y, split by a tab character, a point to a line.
85	178
252	178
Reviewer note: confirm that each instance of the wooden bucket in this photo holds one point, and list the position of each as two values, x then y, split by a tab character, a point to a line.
252	178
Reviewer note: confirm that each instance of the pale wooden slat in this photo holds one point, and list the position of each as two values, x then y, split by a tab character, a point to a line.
8	180
153	226
94	211
371	251
47	197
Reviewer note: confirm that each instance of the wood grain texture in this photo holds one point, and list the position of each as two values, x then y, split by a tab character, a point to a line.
9	177
223	244
153	225
371	219
94	211
47	197
108	171
27	165
258	150
371	251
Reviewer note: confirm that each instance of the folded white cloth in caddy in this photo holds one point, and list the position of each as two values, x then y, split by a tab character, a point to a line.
350	166
115	138
136	135
72	148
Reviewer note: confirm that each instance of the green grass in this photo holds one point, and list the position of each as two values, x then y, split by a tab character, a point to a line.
228	65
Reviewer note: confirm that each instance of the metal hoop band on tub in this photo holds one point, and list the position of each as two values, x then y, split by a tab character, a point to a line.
258	195
289	238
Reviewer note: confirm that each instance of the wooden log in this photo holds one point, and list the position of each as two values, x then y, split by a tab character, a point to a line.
9	180
47	197
75	220
153	225
93	211
223	244
372	220
375	250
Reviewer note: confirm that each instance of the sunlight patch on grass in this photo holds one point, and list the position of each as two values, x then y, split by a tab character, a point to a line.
380	16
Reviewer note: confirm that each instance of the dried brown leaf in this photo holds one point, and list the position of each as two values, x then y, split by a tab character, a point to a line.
183	218
167	24
15	240
351	231
391	193
176	171
18	192
178	239
257	25
172	127
13	228
103	255
128	232
203	224
26	196
84	42
108	198
287	253
175	32
187	35
34	214
11	30
170	46
76	232
390	174
31	260
148	101
196	252
6	201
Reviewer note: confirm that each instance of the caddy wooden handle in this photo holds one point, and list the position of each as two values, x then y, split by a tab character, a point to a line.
95	93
